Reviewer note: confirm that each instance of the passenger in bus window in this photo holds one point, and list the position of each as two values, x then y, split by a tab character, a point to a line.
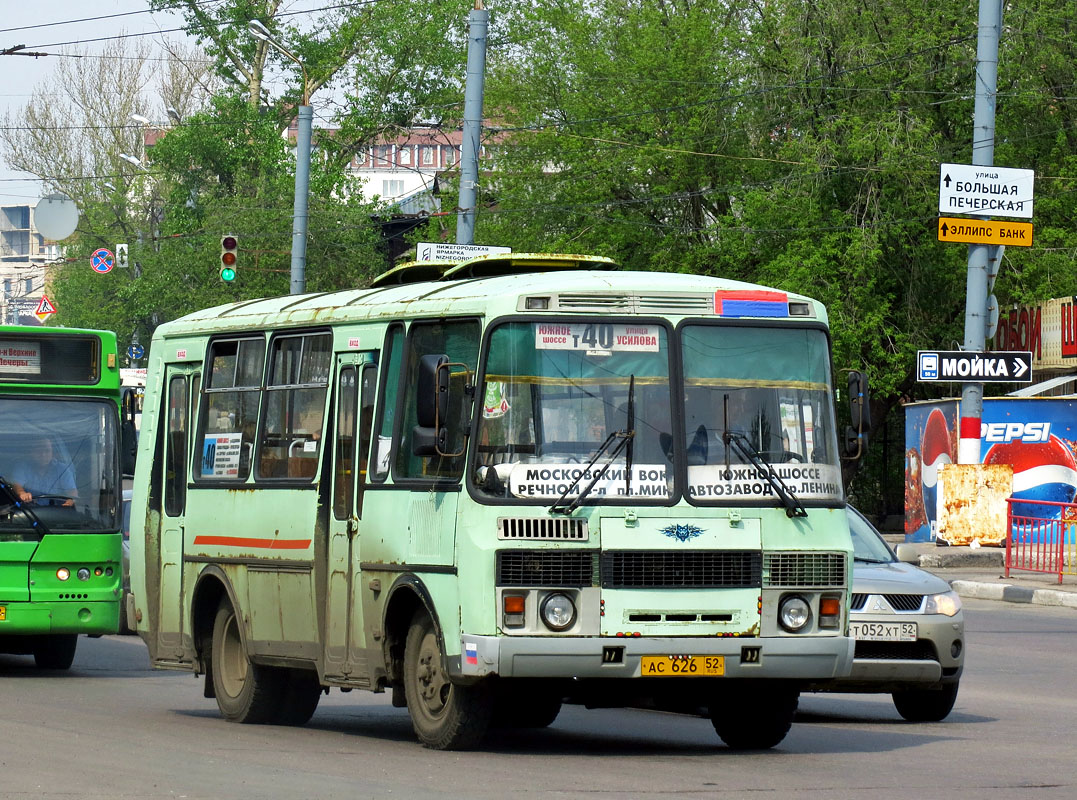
41	476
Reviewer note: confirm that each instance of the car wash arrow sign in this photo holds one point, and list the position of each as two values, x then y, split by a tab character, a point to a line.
937	366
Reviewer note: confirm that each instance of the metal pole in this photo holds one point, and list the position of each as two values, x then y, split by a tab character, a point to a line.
302	184
983	154
469	147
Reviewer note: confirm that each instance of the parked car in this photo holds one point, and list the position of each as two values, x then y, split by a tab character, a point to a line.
909	630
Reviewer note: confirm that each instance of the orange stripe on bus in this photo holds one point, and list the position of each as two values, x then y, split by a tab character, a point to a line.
264	544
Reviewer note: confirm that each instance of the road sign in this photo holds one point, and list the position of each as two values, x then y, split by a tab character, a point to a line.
985	191
448	251
135	352
985	231
956	366
45	308
121	255
102	260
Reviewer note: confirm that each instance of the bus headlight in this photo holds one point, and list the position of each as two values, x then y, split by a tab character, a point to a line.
63	573
83	574
947	603
558	612
794	613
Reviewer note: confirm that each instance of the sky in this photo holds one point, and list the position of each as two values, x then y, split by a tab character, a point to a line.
20	74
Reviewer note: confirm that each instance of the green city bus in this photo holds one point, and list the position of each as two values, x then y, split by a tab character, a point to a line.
493	487
60	490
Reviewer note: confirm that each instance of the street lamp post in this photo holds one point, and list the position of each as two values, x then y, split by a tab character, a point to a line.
302	166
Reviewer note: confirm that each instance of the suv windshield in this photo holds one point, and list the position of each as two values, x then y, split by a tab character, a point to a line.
59	458
554	392
768	387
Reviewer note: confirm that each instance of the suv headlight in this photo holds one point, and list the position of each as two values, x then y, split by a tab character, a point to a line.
947	603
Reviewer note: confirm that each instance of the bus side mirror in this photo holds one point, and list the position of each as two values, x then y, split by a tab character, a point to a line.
128	432
856	434
430	435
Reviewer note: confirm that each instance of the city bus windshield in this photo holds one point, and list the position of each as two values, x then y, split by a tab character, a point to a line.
59	458
769	389
554	392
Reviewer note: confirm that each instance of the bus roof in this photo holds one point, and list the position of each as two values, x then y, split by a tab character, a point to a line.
571	291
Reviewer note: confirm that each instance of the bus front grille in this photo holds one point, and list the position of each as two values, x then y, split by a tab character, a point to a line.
693	569
542	529
546	567
804	570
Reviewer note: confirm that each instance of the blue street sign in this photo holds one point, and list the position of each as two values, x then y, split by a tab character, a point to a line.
135	352
102	261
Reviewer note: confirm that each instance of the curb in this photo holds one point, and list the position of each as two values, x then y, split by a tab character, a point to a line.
1014	594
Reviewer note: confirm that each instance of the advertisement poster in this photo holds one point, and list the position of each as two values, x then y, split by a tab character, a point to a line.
1036	436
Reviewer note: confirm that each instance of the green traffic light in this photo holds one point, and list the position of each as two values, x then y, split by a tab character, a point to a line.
228	274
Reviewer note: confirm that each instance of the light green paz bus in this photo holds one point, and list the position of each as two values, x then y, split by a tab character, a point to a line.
494	487
60	486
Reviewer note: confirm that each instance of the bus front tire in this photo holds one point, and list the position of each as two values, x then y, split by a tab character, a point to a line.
445	716
299	700
754	720
245	692
56	651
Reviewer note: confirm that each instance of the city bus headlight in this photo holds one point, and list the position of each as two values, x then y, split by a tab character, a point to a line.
794	613
558	612
63	573
83	574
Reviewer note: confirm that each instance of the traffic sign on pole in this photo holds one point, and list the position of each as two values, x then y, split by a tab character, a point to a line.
45	309
985	231
986	191
941	366
102	260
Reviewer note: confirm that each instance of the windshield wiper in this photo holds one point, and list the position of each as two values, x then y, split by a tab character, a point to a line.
739	442
9	490
623	439
630	423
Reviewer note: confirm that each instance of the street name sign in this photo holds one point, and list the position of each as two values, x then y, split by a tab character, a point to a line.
986	191
985	231
959	366
448	251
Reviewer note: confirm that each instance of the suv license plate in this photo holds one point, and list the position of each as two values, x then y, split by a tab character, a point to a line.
682	666
883	631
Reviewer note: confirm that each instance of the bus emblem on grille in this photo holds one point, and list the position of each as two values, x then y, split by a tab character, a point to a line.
682	533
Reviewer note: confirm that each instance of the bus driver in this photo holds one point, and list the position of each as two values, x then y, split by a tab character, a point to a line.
41	475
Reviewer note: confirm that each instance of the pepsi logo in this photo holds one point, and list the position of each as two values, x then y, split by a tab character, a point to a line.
1041	471
936	449
1008	431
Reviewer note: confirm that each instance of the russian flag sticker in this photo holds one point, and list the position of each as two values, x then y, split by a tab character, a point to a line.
751	303
471	653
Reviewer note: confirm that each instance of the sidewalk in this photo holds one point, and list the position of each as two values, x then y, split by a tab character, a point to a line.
981	573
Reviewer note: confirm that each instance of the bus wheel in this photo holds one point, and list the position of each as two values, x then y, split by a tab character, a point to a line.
445	716
756	719
525	706
300	696
56	651
245	692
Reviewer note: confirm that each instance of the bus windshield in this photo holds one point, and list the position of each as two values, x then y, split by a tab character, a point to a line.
769	388
553	394
58	457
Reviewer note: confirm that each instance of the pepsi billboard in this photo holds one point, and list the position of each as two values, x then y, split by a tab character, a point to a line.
1036	436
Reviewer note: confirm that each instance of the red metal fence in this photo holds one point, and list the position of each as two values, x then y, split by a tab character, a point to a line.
1041	536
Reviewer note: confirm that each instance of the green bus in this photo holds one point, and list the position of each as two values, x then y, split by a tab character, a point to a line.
60	490
493	487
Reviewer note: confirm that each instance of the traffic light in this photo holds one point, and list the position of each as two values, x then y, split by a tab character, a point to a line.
229	246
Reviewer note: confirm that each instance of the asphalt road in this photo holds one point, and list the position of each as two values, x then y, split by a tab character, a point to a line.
113	728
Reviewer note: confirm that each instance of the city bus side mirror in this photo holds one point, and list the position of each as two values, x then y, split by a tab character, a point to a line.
856	434
432	406
128	432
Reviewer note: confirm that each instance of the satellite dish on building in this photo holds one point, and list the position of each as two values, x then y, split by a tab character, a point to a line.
56	216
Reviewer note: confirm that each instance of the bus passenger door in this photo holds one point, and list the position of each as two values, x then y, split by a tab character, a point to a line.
353	408
181	384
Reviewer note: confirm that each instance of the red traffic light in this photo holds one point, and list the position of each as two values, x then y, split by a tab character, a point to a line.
228	242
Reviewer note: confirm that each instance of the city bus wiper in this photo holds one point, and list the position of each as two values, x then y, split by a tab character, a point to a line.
623	439
9	491
630	424
739	442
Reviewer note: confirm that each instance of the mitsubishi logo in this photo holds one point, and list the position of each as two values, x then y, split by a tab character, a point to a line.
879	605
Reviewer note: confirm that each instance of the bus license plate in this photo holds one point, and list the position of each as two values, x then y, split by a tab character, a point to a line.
883	631
3	613
681	666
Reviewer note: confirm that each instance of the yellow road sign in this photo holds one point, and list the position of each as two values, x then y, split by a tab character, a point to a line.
990	231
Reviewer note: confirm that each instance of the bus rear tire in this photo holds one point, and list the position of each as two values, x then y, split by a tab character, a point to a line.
300	696
445	716
245	692
756	719
56	651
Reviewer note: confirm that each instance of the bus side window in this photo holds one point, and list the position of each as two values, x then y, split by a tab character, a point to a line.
176	447
295	405
390	386
229	416
459	340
